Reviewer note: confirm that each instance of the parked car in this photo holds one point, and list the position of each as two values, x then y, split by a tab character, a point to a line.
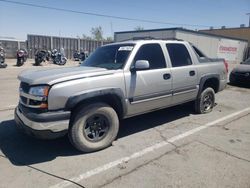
241	73
117	81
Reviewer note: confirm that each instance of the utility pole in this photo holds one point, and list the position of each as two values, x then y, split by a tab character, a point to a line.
249	18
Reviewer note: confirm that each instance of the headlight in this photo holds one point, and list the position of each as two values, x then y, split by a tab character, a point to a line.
39	91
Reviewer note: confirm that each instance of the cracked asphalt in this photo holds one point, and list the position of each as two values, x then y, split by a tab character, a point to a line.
218	156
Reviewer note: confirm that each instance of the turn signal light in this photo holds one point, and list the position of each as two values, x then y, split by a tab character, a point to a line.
44	105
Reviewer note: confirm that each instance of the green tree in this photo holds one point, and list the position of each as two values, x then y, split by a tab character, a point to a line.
97	33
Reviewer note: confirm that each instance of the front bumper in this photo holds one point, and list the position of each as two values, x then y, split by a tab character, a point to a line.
48	125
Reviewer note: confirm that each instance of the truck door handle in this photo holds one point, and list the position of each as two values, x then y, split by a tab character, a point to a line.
166	76
192	73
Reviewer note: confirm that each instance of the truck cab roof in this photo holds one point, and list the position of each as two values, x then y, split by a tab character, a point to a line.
146	40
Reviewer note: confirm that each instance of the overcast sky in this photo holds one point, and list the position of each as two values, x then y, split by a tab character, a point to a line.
19	20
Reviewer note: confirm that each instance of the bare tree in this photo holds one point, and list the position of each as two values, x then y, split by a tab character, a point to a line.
109	39
86	37
139	28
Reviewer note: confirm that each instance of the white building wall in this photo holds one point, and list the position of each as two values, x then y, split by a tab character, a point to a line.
205	43
242	51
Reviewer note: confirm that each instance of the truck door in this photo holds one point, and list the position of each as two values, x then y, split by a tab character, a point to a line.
184	73
149	89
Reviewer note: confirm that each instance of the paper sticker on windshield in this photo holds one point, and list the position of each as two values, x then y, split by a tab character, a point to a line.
125	48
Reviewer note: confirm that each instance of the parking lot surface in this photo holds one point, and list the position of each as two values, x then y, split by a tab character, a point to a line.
173	147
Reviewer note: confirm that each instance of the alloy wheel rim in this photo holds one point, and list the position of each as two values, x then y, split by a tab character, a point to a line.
96	127
208	102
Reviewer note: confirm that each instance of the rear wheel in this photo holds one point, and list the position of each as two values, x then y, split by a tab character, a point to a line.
37	62
62	61
205	101
20	62
94	127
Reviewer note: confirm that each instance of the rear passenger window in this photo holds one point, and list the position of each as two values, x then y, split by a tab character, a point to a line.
198	52
153	54
179	55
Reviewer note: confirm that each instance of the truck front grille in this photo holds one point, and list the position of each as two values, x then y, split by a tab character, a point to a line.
23	99
25	110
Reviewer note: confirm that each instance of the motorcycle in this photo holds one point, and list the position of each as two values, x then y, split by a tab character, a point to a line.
58	57
40	56
21	57
2	58
76	55
82	56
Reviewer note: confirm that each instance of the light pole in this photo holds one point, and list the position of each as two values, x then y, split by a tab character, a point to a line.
249	18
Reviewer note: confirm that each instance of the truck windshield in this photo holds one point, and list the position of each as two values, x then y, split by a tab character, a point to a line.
109	57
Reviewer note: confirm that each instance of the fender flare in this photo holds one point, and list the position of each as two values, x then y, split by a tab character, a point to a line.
73	101
205	78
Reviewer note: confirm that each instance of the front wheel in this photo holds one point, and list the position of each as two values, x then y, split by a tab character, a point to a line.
94	127
63	61
205	101
232	79
3	65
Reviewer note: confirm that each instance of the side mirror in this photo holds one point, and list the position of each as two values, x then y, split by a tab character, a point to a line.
140	65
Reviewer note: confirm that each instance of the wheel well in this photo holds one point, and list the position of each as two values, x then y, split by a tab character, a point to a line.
112	100
213	83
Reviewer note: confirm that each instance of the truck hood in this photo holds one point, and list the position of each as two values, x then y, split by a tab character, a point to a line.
242	68
56	75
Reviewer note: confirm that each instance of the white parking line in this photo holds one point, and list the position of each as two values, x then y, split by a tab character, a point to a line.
145	151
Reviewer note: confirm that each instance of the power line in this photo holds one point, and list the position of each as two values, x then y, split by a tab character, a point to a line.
100	15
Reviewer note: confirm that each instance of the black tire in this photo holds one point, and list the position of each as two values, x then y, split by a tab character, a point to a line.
3	65
82	133
37	62
62	61
232	79
205	101
20	62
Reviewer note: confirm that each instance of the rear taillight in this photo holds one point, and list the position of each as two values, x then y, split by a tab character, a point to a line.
226	65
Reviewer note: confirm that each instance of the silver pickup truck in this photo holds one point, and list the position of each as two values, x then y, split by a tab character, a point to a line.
117	81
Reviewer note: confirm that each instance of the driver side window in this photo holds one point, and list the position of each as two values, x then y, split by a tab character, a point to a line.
153	54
